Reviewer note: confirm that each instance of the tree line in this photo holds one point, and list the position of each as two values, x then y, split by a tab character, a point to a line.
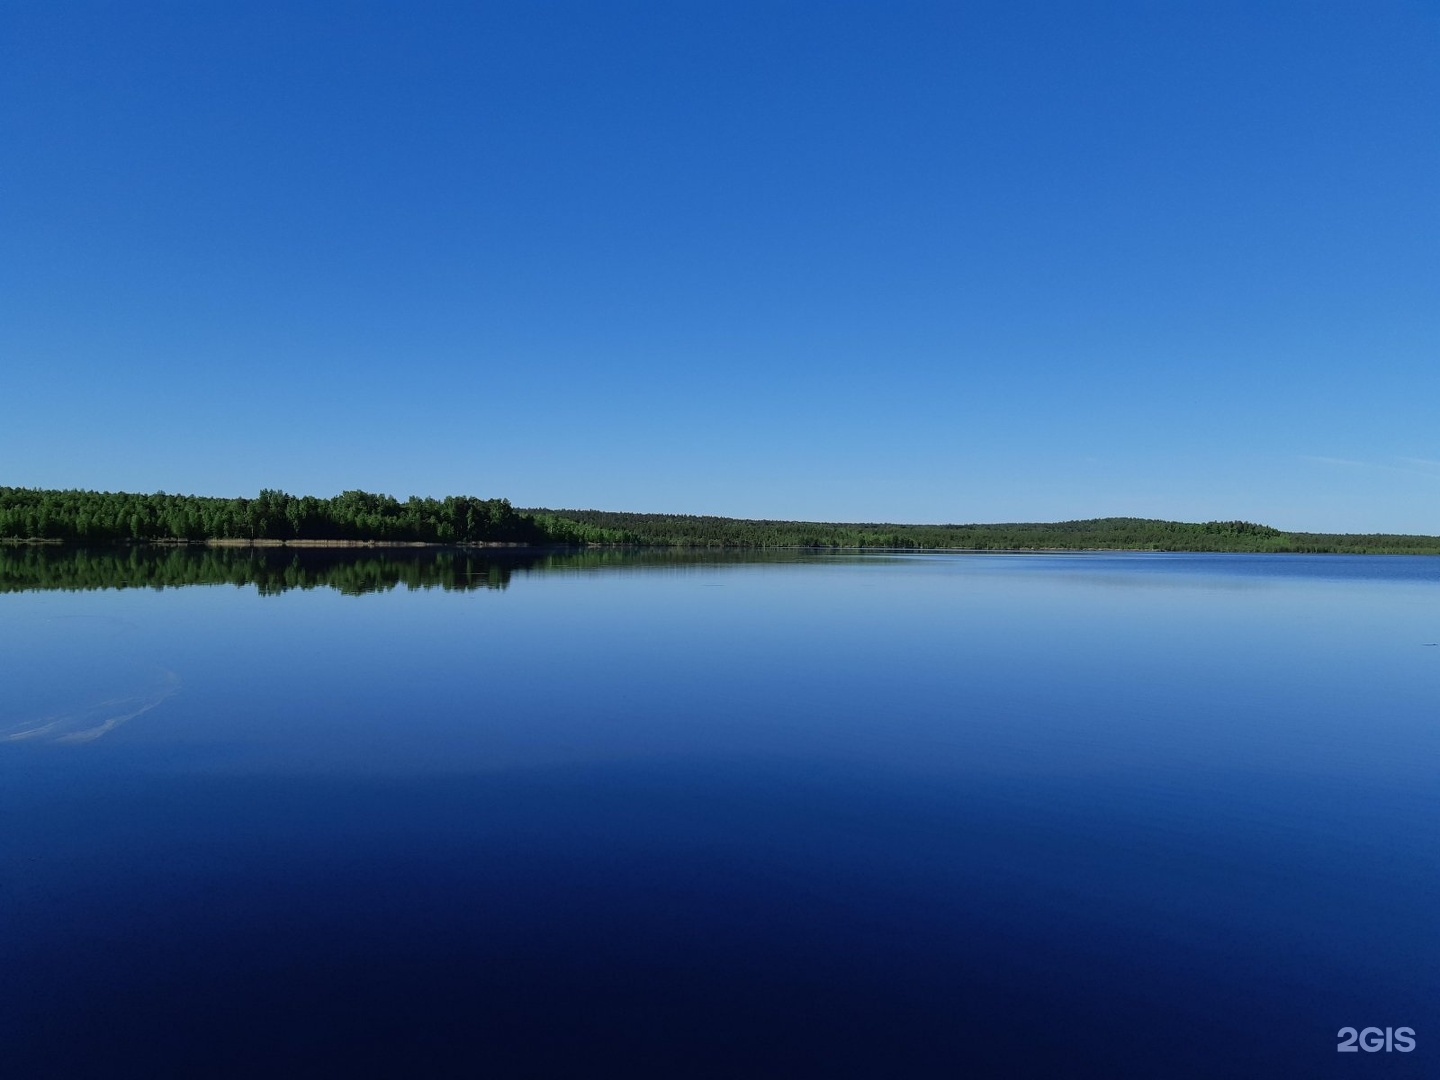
109	517
1129	534
91	517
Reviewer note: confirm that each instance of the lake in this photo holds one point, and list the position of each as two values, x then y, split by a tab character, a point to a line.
678	814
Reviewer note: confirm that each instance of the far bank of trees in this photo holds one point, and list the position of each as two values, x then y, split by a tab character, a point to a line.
93	517
1130	534
108	517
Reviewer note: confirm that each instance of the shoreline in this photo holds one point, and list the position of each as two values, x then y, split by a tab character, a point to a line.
262	542
496	547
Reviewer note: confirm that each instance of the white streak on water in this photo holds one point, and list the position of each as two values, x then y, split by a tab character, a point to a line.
94	720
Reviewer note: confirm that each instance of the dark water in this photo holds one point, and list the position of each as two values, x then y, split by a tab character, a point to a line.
881	816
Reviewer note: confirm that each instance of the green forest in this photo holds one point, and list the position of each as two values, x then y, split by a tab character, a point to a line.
97	518
1131	534
107	517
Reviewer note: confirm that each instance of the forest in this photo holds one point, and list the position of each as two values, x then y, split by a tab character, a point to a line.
97	518
108	517
1129	534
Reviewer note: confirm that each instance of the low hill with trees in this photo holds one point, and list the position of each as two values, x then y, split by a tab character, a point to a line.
94	517
1134	534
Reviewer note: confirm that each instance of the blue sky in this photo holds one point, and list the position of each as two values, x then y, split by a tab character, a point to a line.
943	262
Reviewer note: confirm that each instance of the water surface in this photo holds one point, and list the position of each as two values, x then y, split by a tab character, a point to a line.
693	815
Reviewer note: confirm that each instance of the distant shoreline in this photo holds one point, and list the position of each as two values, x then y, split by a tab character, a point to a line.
364	520
496	547
268	542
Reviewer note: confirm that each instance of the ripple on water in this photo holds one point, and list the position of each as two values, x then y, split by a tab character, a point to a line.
89	719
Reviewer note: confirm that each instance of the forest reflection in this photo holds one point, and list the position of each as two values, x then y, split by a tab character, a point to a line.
351	571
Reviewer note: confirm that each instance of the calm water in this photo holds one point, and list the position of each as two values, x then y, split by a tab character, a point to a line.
880	816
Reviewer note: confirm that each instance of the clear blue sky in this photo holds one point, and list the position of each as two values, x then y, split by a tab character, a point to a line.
831	260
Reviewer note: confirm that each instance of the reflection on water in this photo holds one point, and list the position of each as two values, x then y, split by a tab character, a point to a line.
90	721
270	570
352	571
844	815
357	571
